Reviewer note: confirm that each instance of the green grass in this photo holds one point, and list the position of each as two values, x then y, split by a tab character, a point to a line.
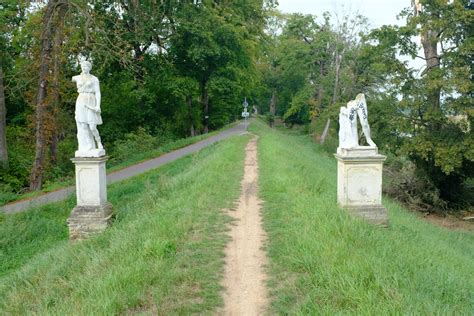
322	261
134	158
163	254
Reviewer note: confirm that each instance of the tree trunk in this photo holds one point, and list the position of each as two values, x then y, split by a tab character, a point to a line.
205	103
429	40
320	96
325	132
191	118
53	16
338	63
273	103
3	124
55	96
320	86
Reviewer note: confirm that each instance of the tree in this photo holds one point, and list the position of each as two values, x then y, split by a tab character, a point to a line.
9	12
53	20
433	117
269	62
442	148
208	40
3	124
318	37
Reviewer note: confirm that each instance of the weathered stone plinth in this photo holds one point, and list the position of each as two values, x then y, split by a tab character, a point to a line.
92	212
87	220
359	183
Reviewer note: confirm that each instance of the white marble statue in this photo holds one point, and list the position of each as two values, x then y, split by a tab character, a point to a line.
348	134
346	140
88	113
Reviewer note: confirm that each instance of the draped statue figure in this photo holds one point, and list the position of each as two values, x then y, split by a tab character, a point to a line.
88	112
348	134
363	115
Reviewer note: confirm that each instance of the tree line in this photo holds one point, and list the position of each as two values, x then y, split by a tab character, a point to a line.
171	68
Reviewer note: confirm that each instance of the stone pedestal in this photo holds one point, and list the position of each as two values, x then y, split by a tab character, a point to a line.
359	183
92	212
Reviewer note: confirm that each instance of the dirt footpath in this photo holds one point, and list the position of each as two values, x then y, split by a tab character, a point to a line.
244	279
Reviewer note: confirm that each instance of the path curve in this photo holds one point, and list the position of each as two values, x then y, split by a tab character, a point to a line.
125	173
244	276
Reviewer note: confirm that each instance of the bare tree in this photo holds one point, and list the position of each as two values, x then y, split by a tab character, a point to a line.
346	36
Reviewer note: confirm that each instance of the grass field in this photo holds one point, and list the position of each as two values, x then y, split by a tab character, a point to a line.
322	261
163	254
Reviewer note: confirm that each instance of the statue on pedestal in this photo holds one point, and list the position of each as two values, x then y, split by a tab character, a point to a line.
88	113
92	213
359	168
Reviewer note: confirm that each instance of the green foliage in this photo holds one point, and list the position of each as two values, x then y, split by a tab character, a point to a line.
431	120
139	141
322	261
298	112
20	147
270	119
153	60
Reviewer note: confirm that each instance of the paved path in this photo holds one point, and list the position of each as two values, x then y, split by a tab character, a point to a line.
128	172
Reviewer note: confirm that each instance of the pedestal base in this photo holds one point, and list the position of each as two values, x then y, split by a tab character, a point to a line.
87	220
373	214
359	183
92	212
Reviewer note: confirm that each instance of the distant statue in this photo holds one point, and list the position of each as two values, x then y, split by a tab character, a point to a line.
87	110
348	134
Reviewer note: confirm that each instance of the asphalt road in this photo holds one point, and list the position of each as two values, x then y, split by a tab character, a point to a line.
125	173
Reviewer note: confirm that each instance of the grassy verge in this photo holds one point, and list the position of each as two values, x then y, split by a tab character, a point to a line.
162	255
134	158
323	261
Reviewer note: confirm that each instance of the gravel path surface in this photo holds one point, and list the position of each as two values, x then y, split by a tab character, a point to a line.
125	173
244	276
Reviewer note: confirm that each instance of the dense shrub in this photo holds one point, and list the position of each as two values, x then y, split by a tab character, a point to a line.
270	119
135	142
20	152
404	182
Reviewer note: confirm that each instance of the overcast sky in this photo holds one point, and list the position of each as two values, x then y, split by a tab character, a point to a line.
379	12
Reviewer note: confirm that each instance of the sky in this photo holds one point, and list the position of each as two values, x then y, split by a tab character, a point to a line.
379	12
